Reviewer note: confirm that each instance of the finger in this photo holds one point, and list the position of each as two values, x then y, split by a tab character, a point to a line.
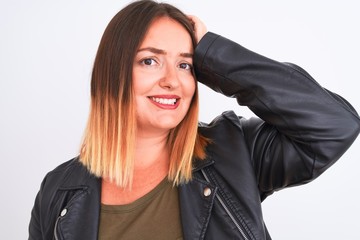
199	27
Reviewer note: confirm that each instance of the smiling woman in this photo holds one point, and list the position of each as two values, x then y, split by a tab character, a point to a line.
162	77
148	170
161	73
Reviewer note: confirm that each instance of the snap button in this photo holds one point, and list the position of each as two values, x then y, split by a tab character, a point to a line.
63	212
207	192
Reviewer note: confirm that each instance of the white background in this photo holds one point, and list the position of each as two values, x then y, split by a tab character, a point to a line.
46	53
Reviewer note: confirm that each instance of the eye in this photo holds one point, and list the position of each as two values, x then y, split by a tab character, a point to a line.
185	66
148	61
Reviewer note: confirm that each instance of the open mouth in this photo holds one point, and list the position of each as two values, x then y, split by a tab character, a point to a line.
165	101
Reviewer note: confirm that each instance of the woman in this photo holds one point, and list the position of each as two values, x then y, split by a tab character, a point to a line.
148	170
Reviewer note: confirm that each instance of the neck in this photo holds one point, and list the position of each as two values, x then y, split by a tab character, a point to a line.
151	166
150	150
151	160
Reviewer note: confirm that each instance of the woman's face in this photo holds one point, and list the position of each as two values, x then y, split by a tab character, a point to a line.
163	82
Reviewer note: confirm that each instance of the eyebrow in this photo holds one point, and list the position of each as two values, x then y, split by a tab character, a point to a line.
163	52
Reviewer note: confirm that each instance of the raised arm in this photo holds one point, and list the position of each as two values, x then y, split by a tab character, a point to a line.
303	128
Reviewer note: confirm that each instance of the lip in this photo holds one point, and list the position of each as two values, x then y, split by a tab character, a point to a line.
165	98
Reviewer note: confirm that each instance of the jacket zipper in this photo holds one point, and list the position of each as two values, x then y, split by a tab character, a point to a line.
55	228
242	232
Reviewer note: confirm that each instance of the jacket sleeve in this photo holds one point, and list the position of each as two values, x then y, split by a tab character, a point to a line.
302	128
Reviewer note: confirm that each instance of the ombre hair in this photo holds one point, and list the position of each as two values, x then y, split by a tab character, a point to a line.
108	146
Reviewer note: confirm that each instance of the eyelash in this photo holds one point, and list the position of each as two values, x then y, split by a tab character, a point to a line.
146	59
188	67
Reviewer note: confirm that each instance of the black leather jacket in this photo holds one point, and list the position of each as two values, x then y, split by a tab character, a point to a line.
302	130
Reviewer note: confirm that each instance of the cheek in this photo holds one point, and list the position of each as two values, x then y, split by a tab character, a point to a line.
190	86
141	83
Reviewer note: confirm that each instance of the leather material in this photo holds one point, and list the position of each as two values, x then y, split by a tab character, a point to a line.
301	131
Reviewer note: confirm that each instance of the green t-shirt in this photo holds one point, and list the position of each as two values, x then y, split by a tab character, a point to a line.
154	216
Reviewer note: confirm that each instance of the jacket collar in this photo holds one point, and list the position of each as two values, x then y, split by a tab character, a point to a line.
200	164
83	213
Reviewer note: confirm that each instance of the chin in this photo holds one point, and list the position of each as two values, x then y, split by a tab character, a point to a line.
168	124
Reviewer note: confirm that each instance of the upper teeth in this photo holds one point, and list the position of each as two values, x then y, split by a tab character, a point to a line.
169	101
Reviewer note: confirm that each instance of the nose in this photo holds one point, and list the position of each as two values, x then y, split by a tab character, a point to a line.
170	79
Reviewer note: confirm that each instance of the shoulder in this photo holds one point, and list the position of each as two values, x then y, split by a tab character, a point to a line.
229	154
65	166
64	169
227	121
224	132
232	137
69	174
233	126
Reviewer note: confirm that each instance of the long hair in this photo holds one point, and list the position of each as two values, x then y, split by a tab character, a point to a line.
109	139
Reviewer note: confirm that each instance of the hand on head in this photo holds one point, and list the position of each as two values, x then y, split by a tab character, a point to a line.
199	27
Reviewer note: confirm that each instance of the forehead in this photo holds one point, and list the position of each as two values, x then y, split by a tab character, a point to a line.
167	34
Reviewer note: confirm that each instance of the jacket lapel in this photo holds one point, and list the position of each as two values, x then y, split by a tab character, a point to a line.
79	218
196	202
